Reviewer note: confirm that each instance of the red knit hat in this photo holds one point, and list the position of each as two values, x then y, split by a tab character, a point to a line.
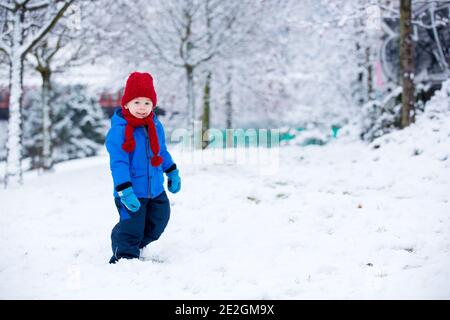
139	84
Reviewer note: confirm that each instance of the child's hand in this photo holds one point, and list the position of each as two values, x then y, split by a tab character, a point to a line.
129	199
174	181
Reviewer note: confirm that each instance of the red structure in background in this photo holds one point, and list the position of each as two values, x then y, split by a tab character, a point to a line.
110	101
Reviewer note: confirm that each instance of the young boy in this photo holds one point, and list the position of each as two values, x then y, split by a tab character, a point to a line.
138	157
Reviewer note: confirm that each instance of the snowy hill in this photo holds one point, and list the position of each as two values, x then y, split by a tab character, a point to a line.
342	221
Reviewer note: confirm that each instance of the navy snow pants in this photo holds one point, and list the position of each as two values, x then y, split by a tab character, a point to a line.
135	230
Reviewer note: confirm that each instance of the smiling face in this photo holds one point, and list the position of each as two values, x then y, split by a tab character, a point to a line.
140	107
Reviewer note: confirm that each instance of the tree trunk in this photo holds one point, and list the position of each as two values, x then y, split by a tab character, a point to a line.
369	70
47	159
229	112
207	89
191	108
13	172
406	63
206	109
360	77
190	96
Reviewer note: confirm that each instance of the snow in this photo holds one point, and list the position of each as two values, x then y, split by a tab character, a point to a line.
342	221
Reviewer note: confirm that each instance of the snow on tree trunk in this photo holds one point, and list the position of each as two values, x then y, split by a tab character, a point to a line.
13	172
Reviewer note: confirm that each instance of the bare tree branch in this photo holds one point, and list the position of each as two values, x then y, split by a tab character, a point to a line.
57	47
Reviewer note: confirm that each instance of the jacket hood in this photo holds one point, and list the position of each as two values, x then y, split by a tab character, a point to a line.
118	119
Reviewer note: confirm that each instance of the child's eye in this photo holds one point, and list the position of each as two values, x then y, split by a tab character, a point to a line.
147	103
136	102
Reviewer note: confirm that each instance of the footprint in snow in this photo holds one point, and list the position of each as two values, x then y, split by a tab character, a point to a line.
154	259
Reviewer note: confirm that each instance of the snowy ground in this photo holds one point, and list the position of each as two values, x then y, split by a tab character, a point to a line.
341	221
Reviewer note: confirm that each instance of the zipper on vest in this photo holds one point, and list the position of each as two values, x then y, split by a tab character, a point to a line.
148	159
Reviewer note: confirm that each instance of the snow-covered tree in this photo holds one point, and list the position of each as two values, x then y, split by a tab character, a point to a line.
71	43
32	139
79	124
186	40
404	93
184	34
25	23
303	71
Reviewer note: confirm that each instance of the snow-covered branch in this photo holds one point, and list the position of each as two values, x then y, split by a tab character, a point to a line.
45	28
435	24
76	59
5	48
7	6
37	5
161	53
206	58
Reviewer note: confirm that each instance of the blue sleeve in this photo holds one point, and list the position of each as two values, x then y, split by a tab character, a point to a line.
167	158
119	160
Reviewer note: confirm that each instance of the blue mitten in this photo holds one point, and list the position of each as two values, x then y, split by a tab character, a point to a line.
129	199
174	181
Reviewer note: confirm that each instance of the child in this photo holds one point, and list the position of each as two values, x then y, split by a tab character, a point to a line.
138	157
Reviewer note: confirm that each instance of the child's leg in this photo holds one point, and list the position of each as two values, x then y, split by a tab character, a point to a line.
127	235
158	214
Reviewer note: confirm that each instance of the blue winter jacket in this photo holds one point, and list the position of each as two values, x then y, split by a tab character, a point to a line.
135	167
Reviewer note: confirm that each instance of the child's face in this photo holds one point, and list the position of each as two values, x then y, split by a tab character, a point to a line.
140	107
